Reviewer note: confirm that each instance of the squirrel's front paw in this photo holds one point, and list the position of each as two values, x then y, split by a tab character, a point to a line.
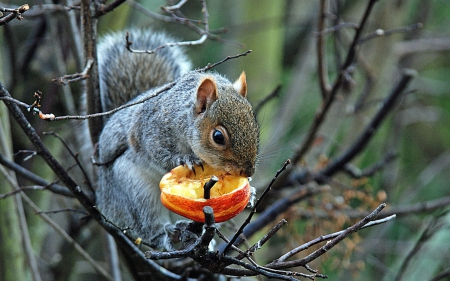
190	161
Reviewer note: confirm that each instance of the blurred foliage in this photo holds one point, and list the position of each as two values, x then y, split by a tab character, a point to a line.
282	36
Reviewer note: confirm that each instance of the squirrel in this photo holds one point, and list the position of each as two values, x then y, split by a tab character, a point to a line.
202	119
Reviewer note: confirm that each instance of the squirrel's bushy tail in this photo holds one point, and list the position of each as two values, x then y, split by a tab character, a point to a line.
124	75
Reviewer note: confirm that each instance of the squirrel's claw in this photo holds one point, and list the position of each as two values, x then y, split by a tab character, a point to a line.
190	163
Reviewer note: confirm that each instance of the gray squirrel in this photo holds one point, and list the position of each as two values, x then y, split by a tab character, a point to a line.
202	119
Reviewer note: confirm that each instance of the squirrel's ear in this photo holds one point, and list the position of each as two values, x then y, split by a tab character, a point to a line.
241	85
206	94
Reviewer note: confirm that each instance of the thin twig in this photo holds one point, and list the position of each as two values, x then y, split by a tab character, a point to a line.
322	238
247	221
271	213
325	106
191	24
426	235
382	33
321	60
325	248
75	157
263	240
210	66
177	6
80	117
337	27
199	41
61	231
63	211
369	131
26	238
274	94
66	79
23	188
103	10
51	117
127	246
443	274
14	13
55	188
357	173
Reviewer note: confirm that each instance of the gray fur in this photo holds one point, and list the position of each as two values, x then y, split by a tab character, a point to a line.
139	144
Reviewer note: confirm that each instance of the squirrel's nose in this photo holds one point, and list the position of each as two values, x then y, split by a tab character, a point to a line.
249	170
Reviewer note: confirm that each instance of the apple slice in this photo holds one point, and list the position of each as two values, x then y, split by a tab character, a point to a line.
182	192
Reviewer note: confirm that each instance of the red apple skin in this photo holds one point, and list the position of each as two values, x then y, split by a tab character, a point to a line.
225	206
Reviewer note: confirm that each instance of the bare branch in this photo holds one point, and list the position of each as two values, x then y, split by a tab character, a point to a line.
370	130
263	240
55	188
321	61
426	235
61	231
382	33
356	173
443	274
66	79
325	238
52	117
320	116
128	247
269	97
177	6
75	157
103	10
210	66
322	250
201	40
14	13
247	221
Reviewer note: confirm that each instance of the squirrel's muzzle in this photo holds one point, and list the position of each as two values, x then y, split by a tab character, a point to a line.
249	170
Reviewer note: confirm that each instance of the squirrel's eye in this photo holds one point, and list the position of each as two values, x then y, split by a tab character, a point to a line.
218	137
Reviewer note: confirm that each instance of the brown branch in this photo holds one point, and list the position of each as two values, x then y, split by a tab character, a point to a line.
210	66
382	33
263	240
322	250
274	94
369	131
443	274
426	235
171	44
93	103
325	238
75	157
66	79
52	117
53	187
175	18
338	164
128	247
281	205
321	60
104	9
14	13
356	173
325	106
94	115
247	221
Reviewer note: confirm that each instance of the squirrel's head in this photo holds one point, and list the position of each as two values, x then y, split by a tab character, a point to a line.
227	127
